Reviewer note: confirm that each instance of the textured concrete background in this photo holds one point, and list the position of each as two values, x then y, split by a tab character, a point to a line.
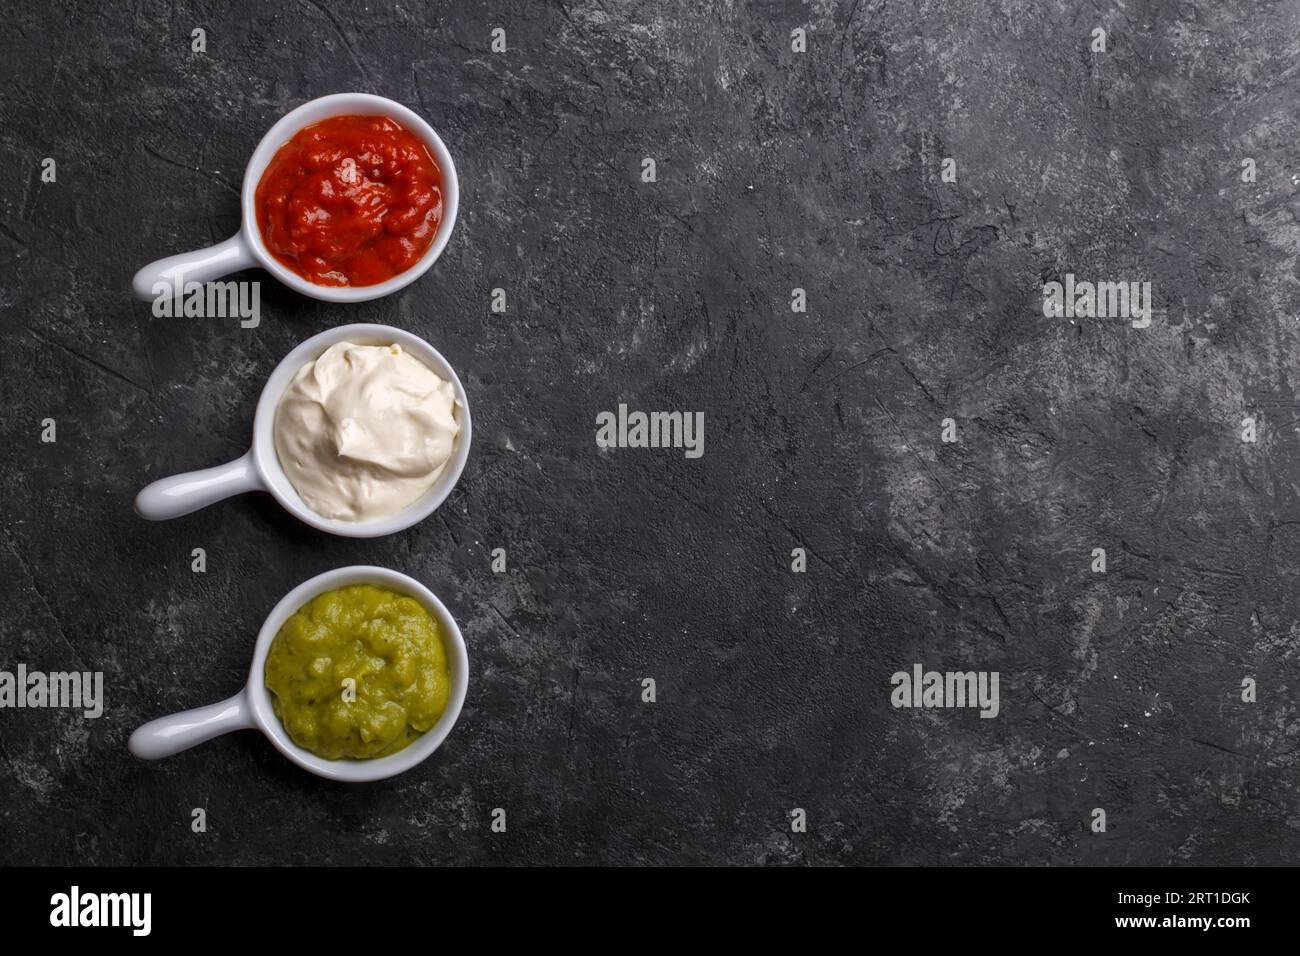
1119	690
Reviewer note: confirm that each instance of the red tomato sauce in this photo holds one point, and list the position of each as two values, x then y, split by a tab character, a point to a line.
351	200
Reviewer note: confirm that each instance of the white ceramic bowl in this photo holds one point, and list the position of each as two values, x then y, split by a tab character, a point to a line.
246	249
251	707
259	469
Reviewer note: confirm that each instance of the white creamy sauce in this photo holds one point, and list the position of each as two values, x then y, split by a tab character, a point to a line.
364	430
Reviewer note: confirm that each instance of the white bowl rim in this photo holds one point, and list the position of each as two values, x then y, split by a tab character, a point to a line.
313	111
380	768
267	460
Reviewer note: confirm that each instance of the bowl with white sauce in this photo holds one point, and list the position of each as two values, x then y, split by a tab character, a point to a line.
361	431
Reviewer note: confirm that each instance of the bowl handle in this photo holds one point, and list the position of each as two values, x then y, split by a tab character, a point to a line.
202	265
181	494
170	735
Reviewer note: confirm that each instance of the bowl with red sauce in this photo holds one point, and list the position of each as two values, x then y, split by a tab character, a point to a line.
347	198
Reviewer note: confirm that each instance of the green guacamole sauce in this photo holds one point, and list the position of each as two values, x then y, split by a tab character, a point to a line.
357	673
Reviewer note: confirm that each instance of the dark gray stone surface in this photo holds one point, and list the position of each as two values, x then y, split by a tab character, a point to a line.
1119	690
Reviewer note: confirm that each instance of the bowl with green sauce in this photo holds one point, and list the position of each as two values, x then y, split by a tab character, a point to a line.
358	674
